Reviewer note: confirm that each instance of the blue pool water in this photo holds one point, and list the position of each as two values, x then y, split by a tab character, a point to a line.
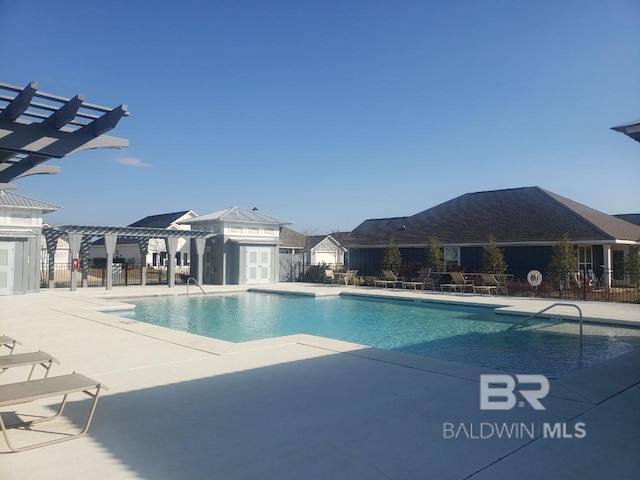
471	335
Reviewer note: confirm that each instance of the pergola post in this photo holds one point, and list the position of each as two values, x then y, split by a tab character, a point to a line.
200	243
51	238
172	247
110	246
85	248
74	248
143	245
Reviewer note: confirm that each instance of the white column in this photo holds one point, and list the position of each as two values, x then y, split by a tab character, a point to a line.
172	247
200	243
110	247
74	248
608	269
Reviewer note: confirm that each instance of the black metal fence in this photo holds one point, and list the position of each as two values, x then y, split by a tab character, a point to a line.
123	274
585	285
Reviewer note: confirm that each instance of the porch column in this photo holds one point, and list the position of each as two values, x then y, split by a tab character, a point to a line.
172	247
608	262
85	248
74	249
110	247
200	243
143	245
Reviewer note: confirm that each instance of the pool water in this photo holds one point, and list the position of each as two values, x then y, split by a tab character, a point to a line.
470	335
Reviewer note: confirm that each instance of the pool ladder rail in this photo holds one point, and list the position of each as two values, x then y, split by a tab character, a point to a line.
196	282
506	338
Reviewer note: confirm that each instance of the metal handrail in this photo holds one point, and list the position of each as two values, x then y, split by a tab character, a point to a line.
196	282
506	338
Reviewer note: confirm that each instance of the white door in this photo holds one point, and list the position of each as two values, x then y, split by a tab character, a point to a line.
258	265
7	250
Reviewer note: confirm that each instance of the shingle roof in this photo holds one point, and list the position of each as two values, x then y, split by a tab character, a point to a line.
630	217
292	239
162	220
529	214
237	214
11	199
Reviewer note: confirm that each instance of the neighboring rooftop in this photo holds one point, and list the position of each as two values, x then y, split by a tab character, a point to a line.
163	220
237	214
529	214
630	217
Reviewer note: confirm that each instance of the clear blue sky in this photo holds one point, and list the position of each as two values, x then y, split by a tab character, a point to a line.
328	113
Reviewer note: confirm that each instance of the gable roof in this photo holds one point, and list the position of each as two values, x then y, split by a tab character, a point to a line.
237	214
14	200
529	214
630	217
163	220
292	239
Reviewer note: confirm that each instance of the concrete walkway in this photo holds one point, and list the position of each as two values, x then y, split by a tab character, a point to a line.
184	406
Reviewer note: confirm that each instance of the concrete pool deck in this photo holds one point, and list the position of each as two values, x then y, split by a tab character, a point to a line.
184	406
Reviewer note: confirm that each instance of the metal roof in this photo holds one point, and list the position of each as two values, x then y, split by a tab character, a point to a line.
14	200
17	234
41	126
237	214
631	129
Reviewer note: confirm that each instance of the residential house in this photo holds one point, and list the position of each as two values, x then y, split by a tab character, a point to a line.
526	223
128	248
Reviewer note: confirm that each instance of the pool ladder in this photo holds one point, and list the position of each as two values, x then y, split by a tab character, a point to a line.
506	338
196	282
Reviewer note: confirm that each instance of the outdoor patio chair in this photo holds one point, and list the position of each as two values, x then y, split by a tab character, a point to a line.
457	282
32	359
25	392
390	278
422	281
9	342
329	277
349	277
489	285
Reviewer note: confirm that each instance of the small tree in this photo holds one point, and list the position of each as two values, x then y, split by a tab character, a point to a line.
632	264
493	257
563	262
433	255
391	257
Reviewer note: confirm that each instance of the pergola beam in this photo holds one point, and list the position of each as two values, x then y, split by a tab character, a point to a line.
20	103
64	114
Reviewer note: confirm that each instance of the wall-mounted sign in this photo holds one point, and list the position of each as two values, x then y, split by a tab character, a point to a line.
534	277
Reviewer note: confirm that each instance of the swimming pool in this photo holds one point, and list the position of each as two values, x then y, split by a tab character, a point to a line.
470	335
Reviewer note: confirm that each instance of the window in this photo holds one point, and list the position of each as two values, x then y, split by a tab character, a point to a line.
585	259
185	259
